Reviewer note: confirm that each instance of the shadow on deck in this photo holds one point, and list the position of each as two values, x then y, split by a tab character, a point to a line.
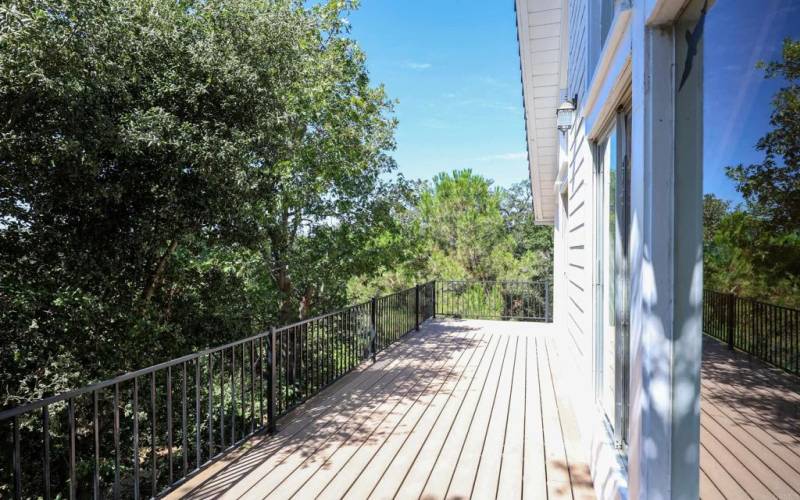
749	427
459	409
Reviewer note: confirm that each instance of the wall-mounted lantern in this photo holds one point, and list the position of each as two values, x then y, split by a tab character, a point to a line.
565	115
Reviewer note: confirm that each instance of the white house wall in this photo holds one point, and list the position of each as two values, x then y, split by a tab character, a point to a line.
636	66
574	236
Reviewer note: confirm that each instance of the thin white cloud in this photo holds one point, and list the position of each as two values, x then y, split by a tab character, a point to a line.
418	65
505	157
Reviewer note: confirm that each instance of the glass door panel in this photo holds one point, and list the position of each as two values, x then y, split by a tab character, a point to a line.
609	251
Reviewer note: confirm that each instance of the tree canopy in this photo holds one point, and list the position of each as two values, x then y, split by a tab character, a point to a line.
177	174
754	249
464	228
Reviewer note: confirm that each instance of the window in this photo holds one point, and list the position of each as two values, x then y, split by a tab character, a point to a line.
612	279
606	18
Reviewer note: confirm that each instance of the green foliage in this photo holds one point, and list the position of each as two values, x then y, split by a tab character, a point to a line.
772	186
175	175
179	174
463	228
754	250
746	256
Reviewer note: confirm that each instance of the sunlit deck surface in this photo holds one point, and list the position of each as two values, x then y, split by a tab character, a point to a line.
749	427
460	409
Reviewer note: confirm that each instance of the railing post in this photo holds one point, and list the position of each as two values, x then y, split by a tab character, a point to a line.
546	302
373	328
271	385
730	321
433	283
416	306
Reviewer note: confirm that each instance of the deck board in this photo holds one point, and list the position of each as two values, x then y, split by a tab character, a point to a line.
356	473
452	411
480	408
419	470
490	455
512	454
750	427
454	472
373	470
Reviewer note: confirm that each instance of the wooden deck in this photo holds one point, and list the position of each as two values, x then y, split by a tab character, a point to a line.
460	409
749	427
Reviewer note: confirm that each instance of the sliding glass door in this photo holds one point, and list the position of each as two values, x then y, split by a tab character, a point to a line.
613	182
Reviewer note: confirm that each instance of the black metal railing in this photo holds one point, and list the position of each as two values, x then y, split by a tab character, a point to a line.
145	432
766	331
506	300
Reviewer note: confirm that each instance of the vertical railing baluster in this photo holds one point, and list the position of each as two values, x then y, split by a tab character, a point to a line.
547	301
271	382
242	393
71	417
373	326
222	400
233	395
329	345
252	385
416	306
435	302
153	454
17	460
184	423
135	437
169	425
350	361
298	364
210	406
306	359
96	435
283	371
730	320
116	491
261	382
46	444
197	412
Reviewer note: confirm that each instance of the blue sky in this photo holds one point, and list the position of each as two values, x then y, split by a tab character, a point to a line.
454	69
737	98
453	66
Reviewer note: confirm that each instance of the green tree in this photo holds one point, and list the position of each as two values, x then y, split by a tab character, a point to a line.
460	227
754	250
178	174
714	212
461	222
533	244
772	186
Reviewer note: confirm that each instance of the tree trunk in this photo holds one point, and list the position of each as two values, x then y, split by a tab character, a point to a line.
158	274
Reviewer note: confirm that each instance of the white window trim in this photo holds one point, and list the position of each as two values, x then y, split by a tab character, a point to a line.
608	63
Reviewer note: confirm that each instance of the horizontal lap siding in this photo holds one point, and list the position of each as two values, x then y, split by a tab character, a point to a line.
580	202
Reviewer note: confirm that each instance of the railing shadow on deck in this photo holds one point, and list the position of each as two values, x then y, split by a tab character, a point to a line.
383	380
146	432
740	381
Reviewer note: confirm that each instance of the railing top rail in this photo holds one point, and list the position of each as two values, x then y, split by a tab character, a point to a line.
754	301
125	377
520	282
317	318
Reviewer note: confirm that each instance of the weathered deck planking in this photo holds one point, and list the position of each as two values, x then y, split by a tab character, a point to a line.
460	409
